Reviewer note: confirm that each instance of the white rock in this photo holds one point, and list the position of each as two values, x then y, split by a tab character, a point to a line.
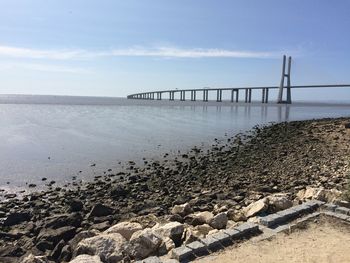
204	217
33	259
332	195
86	259
166	246
236	215
320	193
126	229
231	224
172	230
279	202
144	243
255	208
182	210
108	247
308	193
203	229
192	234
218	209
219	221
214	231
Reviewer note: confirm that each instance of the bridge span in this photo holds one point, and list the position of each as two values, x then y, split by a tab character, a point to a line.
203	93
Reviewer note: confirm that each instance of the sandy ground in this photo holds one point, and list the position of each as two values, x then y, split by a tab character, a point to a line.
318	243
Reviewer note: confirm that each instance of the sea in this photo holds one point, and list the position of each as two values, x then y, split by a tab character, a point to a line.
64	137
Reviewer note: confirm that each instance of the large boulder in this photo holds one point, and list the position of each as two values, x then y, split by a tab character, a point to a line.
200	218
144	243
82	235
219	221
126	229
278	202
255	208
86	259
146	221
182	210
326	195
172	230
109	247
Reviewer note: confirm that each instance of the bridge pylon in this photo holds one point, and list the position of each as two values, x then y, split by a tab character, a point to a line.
282	86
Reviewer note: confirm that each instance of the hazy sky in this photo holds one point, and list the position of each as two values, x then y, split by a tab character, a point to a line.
117	47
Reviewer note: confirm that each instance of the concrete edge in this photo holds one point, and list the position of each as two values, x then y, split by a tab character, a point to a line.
269	226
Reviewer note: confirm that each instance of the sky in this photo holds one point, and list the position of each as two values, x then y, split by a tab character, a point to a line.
115	47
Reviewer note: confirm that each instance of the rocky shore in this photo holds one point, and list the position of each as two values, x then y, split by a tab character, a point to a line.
163	204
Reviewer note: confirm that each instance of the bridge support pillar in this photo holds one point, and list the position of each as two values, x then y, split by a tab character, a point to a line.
219	95
205	95
288	87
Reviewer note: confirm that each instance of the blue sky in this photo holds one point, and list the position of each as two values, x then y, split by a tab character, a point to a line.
113	48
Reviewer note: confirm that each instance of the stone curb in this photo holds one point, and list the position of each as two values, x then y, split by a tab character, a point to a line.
283	216
274	223
213	242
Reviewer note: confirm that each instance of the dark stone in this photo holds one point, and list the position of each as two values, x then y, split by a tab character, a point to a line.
8	260
11	250
76	205
100	210
62	220
44	245
120	191
101	226
9	196
16	218
56	252
56	235
66	254
347	125
176	218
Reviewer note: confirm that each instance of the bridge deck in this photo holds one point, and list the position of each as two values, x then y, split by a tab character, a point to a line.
234	92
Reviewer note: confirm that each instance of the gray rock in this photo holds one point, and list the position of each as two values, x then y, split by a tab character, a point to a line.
182	254
144	243
219	221
172	230
109	247
182	210
255	208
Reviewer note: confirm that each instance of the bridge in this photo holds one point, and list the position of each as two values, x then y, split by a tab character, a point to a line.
203	93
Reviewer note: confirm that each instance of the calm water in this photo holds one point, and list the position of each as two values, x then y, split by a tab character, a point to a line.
66	135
